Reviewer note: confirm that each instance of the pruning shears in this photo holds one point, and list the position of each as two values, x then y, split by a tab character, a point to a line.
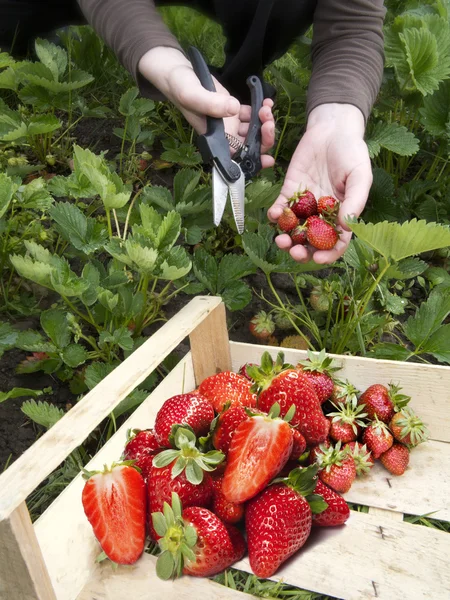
229	174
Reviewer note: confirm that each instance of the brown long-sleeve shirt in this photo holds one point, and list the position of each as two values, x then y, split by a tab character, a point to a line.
347	47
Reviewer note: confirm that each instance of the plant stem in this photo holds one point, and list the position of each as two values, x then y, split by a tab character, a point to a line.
117	223
122	147
286	120
108	217
129	212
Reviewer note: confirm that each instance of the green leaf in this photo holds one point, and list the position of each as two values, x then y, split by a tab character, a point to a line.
185	154
7	188
395	241
35	271
92	275
127	99
388	351
184	183
428	317
97	371
168	231
393	137
52	56
256	248
236	295
35	195
18	393
193	235
74	355
84	233
41	124
205	269
120	337
165	565
132	401
393	303
8	80
107	298
233	266
436	110
42	413
158	195
65	281
159	523
54	323
407	268
33	341
8	337
143	259
175	265
439	344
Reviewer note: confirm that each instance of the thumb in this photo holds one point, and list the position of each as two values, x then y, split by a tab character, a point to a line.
357	188
191	95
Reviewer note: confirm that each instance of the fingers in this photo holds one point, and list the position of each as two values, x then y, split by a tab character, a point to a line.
357	188
265	112
290	187
323	257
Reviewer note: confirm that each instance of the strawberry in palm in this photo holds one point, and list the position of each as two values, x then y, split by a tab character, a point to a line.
408	428
194	541
114	502
278	383
287	221
382	402
347	421
289	502
185	409
377	438
260	448
321	234
337	468
319	371
396	459
337	511
227	387
328	206
303	204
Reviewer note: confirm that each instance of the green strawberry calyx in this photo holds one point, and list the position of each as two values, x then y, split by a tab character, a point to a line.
304	481
398	400
318	362
349	413
176	542
267	371
263	323
411	425
123	463
188	457
345	390
332	456
362	457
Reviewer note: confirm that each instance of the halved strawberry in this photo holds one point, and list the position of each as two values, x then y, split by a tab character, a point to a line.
114	502
227	387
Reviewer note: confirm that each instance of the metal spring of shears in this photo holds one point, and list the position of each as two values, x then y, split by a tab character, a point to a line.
234	142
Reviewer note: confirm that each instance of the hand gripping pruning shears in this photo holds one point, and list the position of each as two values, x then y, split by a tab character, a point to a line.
229	174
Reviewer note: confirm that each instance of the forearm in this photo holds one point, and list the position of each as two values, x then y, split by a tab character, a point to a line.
130	29
347	53
344	117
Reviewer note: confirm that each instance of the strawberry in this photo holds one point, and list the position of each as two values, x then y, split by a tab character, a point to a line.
319	299
115	504
303	204
243	370
383	402
141	447
298	235
228	512
337	512
346	421
344	391
260	447
278	521
227	387
287	221
261	326
377	438
328	206
407	428
396	459
318	449
298	445
320	234
337	468
184	409
362	457
318	369
193	541
227	424
287	386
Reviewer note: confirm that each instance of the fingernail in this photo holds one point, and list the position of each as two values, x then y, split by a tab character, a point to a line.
233	106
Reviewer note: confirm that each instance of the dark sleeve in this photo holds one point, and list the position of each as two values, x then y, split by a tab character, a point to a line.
347	53
130	28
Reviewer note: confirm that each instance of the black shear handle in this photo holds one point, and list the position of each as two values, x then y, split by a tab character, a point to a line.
250	154
213	144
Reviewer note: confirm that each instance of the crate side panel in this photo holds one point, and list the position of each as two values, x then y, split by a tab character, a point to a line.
68	544
140	582
371	557
428	385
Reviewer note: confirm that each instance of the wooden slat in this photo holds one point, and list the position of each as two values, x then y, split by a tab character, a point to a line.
141	583
52	448
70	541
210	345
388	514
371	557
428	385
23	575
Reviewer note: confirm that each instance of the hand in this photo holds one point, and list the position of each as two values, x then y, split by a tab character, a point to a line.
172	73
331	159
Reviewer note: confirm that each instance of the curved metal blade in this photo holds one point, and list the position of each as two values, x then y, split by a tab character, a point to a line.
220	195
221	187
237	196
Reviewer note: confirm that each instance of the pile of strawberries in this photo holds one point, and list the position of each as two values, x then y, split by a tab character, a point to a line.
312	221
248	461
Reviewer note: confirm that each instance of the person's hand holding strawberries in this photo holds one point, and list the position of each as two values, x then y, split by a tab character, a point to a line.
330	159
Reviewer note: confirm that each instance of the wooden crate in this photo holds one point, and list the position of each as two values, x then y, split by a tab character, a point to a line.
375	555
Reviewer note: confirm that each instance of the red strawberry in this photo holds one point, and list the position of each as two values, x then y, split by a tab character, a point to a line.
377	438
362	457
406	427
383	402
141	448
193	541
328	206
278	521
287	221
337	512
319	449
185	409
303	204
298	446
337	468
243	370
346	421
115	505
396	459
344	391
227	424
318	369
298	235
227	387
261	326
228	512
287	387
320	234
260	447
